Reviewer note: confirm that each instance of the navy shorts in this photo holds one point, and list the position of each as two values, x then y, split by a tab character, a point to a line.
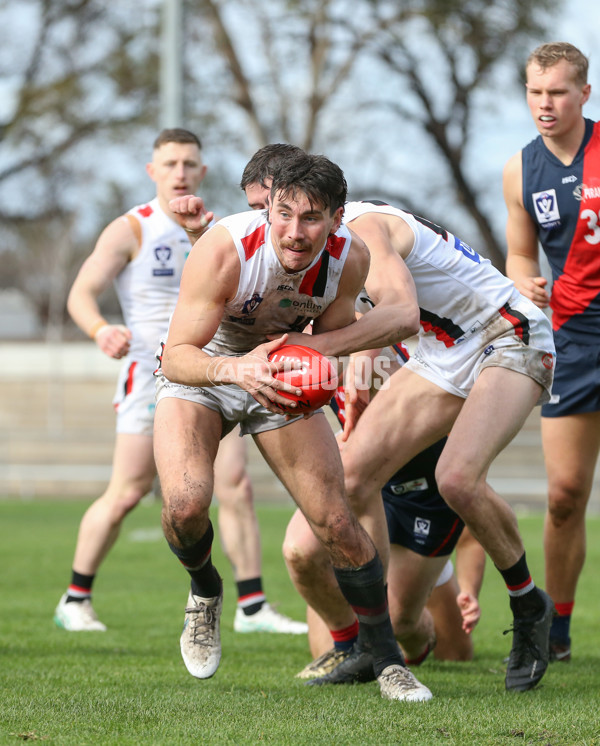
417	516
576	386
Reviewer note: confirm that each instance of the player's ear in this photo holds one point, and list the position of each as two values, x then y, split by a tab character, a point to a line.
337	219
586	91
150	170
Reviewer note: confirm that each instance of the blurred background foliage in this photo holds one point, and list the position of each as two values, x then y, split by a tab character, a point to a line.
395	92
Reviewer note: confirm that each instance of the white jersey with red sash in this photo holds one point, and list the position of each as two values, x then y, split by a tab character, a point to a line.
270	300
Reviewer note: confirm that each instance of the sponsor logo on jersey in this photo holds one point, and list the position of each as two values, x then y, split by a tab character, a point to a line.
305	305
489	349
548	361
569	179
163	256
251	305
586	192
422	526
246	320
285	288
545	205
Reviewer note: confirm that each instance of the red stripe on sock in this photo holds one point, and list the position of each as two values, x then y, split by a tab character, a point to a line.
345	634
520	586
79	589
564	609
258	595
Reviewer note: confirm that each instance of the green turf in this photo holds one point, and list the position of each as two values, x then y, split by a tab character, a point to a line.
129	685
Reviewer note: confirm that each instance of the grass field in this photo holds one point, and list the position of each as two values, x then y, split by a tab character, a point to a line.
129	685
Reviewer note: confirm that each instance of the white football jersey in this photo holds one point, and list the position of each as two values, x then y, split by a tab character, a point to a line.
270	300
458	290
148	286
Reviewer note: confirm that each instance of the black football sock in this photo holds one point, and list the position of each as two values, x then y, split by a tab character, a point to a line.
250	595
525	599
80	587
364	590
197	560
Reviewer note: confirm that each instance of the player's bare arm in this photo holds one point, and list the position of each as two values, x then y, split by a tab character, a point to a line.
522	260
470	566
210	278
389	283
116	247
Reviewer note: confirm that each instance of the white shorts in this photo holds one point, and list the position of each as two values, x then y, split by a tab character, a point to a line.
445	575
233	404
519	337
134	399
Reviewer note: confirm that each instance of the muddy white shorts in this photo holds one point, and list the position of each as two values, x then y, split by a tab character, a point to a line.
519	337
233	404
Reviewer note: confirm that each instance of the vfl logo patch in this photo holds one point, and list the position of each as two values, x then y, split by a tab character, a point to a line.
422	527
163	257
251	305
545	205
489	349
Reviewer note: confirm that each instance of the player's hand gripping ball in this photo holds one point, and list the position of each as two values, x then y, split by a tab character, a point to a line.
317	377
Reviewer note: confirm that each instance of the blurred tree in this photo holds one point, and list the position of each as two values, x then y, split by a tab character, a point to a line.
78	80
393	91
376	78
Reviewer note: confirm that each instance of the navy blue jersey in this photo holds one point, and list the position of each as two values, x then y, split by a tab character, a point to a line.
564	203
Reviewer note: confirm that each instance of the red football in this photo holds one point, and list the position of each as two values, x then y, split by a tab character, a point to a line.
317	377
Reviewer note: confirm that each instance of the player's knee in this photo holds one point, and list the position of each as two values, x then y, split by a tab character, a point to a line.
299	558
185	509
357	495
458	650
565	502
134	493
236	494
121	501
456	488
403	627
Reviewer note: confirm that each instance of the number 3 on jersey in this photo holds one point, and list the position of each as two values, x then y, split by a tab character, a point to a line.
592	224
